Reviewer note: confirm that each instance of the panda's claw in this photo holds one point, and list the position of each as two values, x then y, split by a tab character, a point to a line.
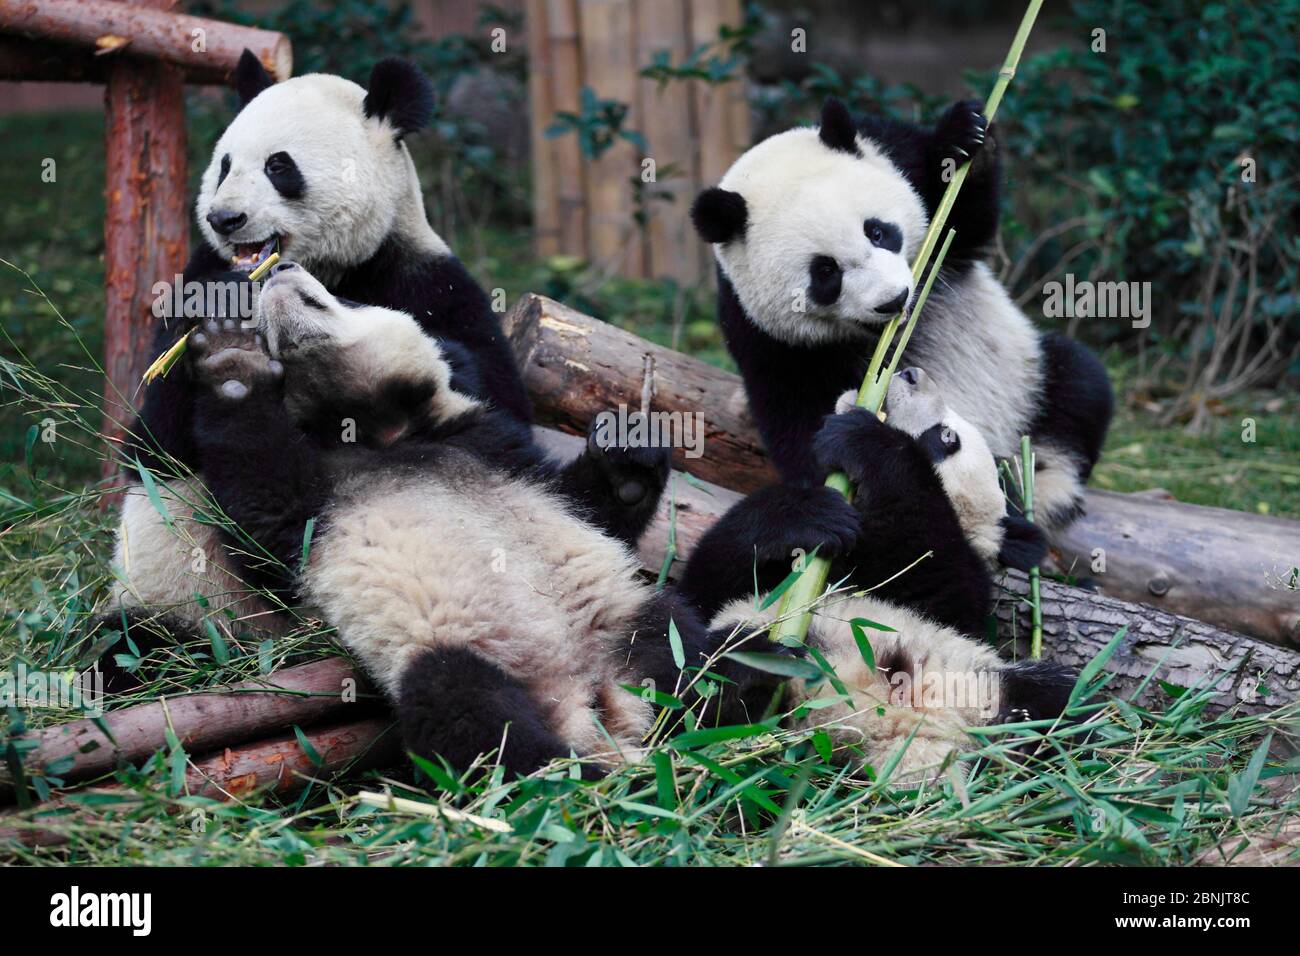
633	471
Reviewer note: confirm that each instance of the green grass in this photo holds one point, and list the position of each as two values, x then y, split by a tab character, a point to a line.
1159	787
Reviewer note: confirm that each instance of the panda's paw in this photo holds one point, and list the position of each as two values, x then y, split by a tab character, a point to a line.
853	441
634	472
809	518
232	361
962	132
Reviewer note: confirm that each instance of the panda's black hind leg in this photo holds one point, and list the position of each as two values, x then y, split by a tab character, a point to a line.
455	704
1070	429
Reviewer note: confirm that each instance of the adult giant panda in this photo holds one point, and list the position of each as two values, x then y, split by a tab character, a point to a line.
928	522
482	586
317	168
814	230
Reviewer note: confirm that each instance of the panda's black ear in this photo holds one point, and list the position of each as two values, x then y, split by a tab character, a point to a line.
719	215
1023	543
251	77
400	94
837	130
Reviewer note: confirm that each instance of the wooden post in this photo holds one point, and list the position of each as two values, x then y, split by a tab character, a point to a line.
541	106
668	126
570	174
146	229
610	69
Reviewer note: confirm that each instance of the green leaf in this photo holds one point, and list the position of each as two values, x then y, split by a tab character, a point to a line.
713	735
220	651
665	779
864	645
775	594
675	642
659	697
151	489
821	742
1094	666
779	664
306	540
1242	785
312	754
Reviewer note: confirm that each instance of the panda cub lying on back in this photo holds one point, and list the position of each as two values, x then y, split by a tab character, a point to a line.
481	585
929	519
814	232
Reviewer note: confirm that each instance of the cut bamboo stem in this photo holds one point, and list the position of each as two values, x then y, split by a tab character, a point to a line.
1027	496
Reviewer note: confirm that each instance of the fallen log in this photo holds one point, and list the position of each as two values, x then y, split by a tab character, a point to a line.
280	765
1253	675
1221	566
112	28
219	718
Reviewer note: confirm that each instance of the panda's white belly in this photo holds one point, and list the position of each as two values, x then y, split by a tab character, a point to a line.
467	558
164	568
986	357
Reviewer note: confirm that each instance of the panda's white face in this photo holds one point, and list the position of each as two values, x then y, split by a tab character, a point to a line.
961	457
827	239
303	168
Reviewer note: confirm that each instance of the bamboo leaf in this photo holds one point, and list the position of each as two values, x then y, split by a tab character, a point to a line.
1242	785
780	664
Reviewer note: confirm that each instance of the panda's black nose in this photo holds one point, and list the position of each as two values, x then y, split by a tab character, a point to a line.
226	222
283	267
894	305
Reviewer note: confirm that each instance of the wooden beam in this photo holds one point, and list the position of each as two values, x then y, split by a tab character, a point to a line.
148	30
36	61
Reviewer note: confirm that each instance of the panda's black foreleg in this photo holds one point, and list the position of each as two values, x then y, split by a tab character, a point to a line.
454	704
260	467
743	691
755	545
617	487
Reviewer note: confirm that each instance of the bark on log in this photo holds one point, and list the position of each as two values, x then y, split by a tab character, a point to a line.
219	718
1185	559
1257	676
279	764
33	61
209	46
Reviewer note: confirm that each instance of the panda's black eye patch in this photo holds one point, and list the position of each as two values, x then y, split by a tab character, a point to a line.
939	442
883	235
824	278
311	302
285	176
225	169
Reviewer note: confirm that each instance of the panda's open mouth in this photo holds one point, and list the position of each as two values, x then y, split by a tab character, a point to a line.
249	255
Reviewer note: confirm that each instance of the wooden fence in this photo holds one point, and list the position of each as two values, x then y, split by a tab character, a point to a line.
693	131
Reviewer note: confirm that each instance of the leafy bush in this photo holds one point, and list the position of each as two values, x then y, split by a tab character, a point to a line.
1172	153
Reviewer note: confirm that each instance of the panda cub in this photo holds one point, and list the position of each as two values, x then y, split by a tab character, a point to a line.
494	596
928	521
316	167
814	230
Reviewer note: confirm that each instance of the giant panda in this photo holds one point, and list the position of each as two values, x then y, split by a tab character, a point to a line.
928	522
493	595
315	168
814	230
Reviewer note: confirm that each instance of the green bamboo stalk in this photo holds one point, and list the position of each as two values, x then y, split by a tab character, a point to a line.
809	587
1027	497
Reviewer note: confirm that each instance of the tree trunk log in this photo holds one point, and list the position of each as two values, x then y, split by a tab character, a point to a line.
279	764
208	46
1257	676
1223	566
203	722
